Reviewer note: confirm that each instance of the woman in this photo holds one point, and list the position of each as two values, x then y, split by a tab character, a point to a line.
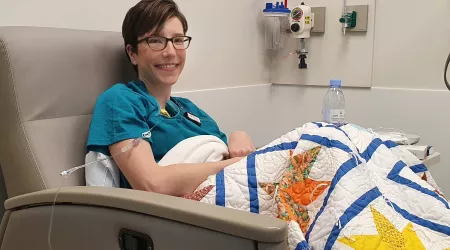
154	33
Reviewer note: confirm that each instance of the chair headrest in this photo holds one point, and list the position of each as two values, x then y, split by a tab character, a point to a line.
50	79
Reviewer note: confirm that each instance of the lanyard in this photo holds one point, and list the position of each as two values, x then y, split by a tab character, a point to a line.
191	117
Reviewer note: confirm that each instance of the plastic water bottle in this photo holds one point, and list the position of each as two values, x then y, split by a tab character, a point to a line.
334	104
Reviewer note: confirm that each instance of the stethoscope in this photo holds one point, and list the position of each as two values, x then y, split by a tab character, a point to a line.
181	110
186	114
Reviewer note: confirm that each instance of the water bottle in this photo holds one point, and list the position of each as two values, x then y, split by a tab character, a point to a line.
334	104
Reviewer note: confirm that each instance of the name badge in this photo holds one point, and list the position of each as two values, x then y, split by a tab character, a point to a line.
147	134
193	118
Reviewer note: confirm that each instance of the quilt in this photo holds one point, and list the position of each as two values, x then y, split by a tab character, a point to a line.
337	187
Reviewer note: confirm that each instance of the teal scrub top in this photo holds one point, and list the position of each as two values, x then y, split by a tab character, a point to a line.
127	111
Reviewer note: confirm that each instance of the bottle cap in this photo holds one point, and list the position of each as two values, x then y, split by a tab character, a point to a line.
335	83
278	8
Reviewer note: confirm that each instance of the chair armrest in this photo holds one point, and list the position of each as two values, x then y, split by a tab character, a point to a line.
256	227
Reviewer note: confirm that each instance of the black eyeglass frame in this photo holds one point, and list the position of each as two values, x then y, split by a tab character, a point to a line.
146	39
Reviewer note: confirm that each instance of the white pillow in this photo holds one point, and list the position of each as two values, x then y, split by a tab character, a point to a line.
104	173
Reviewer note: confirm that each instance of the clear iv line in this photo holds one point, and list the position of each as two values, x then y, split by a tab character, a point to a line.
134	143
49	238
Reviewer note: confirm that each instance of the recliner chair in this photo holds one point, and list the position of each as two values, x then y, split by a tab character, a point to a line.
49	81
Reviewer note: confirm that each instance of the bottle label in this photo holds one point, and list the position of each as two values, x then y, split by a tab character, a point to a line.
335	116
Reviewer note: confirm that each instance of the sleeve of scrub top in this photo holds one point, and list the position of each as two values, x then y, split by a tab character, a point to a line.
119	115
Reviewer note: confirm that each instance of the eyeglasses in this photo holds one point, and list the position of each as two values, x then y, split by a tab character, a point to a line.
160	43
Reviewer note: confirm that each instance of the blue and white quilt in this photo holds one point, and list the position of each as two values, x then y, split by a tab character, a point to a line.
338	188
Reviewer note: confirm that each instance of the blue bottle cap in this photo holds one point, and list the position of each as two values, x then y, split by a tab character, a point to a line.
335	83
269	6
278	8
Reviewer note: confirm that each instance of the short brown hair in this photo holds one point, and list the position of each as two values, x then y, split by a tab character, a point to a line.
149	16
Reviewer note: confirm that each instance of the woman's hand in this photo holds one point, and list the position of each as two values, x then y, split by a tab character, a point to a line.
240	144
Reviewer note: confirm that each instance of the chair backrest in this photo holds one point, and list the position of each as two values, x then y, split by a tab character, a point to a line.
50	79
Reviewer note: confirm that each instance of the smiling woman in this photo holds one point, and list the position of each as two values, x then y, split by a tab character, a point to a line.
155	40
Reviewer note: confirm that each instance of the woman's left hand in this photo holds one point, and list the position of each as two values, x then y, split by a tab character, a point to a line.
240	144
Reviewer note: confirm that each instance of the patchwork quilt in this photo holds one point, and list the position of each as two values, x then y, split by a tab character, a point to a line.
337	188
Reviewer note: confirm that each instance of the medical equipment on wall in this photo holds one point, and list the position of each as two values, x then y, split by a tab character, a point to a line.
276	20
354	18
446	71
348	19
301	22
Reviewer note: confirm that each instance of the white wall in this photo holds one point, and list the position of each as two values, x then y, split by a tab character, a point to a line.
409	53
331	55
411	44
412	41
224	52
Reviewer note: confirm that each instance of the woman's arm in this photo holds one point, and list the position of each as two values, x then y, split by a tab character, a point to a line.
141	170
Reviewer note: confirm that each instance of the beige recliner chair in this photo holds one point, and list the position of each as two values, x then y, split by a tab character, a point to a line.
49	81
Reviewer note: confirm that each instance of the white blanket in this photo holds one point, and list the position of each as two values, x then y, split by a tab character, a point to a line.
198	149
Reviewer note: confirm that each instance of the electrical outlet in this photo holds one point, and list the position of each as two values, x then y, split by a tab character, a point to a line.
362	17
319	19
